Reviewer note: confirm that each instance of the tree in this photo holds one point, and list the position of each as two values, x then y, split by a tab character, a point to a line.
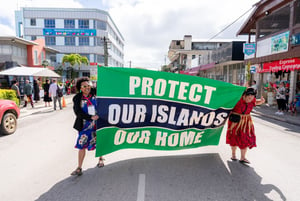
75	59
165	68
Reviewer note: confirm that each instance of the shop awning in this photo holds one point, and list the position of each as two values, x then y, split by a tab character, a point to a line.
281	65
207	66
29	71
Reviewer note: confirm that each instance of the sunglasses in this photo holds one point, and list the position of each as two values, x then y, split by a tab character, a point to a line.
85	86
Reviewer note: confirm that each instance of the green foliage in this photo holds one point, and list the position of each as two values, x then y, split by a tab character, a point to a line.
9	94
74	59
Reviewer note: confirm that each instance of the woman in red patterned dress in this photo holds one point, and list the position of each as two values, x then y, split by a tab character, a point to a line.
241	133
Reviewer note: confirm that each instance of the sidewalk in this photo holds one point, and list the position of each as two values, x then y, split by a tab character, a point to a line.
269	111
39	107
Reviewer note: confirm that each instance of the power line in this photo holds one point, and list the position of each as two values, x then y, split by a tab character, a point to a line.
230	24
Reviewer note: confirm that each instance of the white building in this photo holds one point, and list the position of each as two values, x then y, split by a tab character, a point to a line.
83	31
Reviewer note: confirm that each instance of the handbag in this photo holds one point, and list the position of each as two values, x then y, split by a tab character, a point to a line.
234	118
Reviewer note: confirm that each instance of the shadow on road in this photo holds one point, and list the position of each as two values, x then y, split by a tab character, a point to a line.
177	178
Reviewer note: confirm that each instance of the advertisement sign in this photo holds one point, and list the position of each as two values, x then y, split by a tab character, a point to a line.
282	65
69	32
280	43
249	50
295	39
144	109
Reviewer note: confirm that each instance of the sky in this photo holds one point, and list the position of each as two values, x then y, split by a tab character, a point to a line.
149	26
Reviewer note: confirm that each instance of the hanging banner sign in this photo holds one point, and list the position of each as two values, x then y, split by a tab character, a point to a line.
143	109
249	50
69	32
282	65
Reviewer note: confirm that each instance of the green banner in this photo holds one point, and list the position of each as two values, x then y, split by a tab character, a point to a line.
143	109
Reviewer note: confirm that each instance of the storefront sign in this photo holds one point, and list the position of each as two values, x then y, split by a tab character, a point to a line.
69	32
249	50
281	65
280	42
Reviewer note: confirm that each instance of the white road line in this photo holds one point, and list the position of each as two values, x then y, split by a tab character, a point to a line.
141	188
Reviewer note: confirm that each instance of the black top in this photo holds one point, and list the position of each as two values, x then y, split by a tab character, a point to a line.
80	114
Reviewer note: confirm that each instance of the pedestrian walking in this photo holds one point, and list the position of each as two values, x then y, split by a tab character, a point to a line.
53	92
240	131
280	98
28	94
15	87
293	107
47	97
36	91
84	106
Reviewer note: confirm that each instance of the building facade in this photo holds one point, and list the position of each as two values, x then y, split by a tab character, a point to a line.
274	55
88	32
220	59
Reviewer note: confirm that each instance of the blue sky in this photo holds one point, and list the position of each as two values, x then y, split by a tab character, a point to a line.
148	26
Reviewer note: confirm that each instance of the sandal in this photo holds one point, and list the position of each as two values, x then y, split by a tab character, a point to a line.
245	161
77	172
100	163
233	158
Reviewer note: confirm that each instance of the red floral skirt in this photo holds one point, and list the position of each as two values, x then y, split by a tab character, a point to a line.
241	134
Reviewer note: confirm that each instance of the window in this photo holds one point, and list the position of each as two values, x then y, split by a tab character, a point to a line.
274	22
84	41
83	24
33	37
36	59
99	42
100	59
69	24
42	56
32	22
49	23
50	40
100	25
86	55
70	41
297	12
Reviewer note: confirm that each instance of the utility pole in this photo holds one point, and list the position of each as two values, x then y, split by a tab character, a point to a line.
129	64
105	52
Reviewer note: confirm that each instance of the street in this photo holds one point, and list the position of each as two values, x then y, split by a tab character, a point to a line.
37	160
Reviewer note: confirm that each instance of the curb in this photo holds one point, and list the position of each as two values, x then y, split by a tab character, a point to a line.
276	118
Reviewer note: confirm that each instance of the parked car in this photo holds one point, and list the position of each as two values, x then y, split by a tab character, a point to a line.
9	113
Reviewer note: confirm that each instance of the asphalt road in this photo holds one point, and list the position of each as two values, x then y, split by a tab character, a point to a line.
37	160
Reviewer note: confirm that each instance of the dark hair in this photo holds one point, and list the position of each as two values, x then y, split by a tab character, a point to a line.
80	80
249	91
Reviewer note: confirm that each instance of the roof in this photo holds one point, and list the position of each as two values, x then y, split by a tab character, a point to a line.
29	71
261	8
17	40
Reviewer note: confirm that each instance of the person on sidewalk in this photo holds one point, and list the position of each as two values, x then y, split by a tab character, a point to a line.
15	86
47	98
53	93
84	106
36	91
280	98
293	107
28	93
240	131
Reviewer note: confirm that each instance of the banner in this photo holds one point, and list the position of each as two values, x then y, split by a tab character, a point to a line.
143	109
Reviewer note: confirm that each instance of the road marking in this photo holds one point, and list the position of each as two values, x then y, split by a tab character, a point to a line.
141	188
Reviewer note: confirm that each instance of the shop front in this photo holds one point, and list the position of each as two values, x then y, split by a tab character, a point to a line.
285	70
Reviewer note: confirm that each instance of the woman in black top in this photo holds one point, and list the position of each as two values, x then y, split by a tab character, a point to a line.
84	106
47	98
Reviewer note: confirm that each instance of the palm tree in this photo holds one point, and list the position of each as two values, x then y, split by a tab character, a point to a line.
75	59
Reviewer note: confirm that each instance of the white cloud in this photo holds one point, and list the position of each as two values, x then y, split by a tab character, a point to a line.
148	26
